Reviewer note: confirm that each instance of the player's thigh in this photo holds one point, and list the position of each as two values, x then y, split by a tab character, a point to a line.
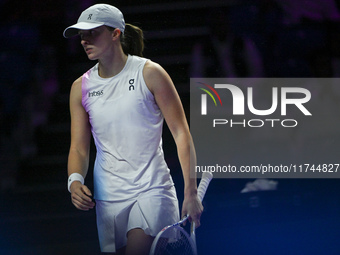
138	242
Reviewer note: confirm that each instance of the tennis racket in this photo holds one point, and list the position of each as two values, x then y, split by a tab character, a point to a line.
173	239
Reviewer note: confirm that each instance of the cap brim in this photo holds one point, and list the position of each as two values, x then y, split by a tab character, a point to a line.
73	30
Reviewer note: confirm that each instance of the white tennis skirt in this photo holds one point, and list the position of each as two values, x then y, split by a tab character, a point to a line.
150	211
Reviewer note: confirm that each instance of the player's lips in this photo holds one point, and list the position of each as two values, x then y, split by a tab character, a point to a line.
88	49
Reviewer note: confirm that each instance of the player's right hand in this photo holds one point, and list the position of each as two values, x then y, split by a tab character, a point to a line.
81	196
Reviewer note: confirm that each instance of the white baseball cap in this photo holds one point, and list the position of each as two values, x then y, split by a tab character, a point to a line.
96	16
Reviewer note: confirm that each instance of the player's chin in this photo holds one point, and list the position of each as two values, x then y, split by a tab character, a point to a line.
91	57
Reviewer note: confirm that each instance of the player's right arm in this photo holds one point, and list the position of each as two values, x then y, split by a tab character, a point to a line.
78	159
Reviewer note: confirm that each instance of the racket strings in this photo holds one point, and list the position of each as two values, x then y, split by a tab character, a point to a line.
180	244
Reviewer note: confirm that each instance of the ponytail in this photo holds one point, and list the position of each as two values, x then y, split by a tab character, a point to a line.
132	40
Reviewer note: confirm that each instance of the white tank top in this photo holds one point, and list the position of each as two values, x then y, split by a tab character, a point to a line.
126	125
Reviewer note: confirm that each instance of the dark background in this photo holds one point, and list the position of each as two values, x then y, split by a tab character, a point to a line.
38	66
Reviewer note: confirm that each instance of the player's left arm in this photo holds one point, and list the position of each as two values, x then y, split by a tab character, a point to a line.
167	98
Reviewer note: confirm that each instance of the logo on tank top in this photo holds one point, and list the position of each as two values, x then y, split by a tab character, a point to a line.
131	83
96	93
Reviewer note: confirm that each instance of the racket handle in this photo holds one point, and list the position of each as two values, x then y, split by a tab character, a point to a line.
204	183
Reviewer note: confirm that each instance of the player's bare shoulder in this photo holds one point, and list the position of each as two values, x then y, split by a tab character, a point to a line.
76	86
77	83
155	75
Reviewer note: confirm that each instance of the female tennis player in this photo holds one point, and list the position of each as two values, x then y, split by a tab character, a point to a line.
123	101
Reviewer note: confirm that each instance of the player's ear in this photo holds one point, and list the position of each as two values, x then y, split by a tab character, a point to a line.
116	33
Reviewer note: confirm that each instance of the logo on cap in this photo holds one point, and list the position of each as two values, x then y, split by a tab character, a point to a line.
89	17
